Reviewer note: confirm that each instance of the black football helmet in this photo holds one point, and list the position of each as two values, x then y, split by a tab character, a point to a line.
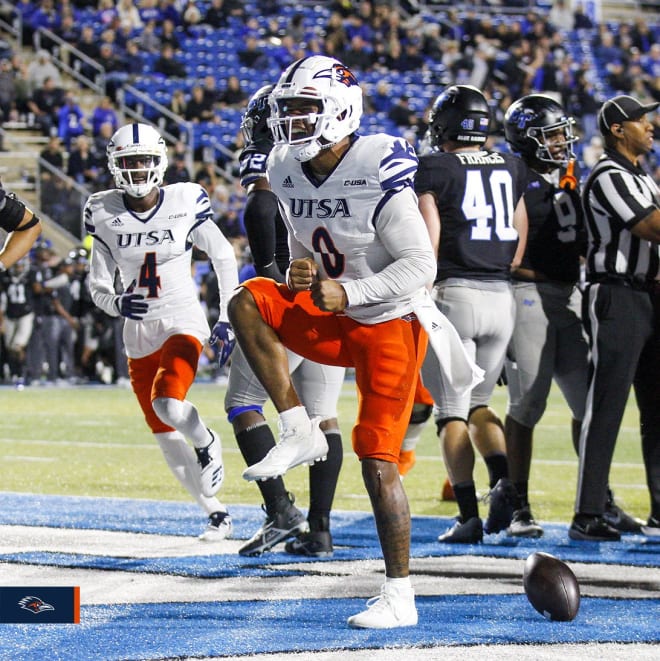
461	114
254	122
530	120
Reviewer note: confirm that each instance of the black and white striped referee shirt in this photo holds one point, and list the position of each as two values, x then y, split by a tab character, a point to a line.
615	197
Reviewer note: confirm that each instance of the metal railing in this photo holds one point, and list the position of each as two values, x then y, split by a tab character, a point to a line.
62	53
61	198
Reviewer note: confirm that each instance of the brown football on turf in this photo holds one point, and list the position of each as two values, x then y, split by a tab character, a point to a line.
551	587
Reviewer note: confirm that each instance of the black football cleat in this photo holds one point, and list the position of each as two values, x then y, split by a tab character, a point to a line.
592	528
470	532
618	519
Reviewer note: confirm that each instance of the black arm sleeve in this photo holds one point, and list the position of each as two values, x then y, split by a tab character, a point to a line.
260	218
11	212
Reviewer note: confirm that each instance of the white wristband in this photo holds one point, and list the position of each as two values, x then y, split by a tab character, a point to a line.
3	268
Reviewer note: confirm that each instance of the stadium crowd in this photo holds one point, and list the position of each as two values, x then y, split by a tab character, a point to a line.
506	55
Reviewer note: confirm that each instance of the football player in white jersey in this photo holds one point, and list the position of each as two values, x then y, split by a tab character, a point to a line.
147	231
360	253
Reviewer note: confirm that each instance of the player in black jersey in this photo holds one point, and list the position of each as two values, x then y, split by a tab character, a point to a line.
320	385
16	316
548	339
471	199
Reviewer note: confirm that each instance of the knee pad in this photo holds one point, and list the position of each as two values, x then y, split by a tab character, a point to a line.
169	410
420	413
440	423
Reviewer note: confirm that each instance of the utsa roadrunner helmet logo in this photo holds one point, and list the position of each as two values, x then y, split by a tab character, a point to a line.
343	75
34	605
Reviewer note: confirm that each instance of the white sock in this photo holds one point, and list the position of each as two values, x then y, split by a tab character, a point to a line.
182	461
184	417
399	583
295	417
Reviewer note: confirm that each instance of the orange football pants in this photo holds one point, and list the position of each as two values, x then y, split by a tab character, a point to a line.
386	356
168	372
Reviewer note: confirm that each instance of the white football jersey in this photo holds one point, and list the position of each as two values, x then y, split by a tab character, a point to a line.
153	252
361	225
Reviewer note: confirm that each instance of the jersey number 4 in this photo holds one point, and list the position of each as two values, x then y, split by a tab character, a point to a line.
149	277
498	188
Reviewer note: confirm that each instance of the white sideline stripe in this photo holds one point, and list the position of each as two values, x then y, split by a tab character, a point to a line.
432	576
232	450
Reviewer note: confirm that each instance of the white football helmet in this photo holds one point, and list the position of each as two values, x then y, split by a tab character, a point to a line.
334	90
137	159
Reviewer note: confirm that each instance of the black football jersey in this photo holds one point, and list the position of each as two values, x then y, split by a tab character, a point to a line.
252	161
476	193
556	236
252	166
17	291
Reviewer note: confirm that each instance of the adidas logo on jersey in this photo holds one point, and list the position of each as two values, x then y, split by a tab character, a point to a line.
117	223
287	183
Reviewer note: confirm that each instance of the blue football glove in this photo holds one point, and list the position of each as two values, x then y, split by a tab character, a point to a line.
130	305
223	336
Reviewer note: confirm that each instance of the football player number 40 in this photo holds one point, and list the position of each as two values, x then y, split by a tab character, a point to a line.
496	214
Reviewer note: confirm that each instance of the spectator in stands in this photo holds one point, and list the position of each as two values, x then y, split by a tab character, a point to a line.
178	105
87	45
104	113
177	171
150	11
199	108
8	110
581	20
45	104
252	55
129	16
167	65
296	27
169	36
561	16
116	71
149	41
25	8
84	164
68	31
218	13
206	177
169	10
380	99
106	13
41	68
336	38
46	16
211	91
190	16
401	113
53	152
71	120
233	95
358	55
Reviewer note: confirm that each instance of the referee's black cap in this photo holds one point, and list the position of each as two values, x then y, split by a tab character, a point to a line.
622	108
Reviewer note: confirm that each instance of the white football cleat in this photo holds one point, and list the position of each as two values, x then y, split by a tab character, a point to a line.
394	607
298	445
212	472
218	528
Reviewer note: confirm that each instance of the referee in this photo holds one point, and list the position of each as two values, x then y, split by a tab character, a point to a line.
622	211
